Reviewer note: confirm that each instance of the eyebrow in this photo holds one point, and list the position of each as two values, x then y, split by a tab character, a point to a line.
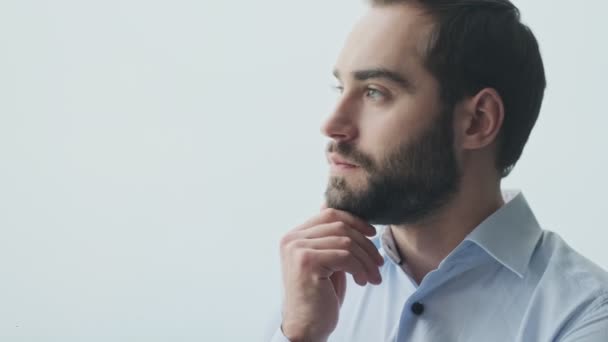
381	73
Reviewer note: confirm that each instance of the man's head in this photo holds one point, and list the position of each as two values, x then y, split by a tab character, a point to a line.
431	91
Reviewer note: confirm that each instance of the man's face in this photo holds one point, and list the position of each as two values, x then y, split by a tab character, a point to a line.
389	123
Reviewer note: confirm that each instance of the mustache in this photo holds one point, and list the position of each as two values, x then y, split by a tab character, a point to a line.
349	151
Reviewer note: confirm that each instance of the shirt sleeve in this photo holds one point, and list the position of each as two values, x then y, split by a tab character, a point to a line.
279	337
593	327
274	333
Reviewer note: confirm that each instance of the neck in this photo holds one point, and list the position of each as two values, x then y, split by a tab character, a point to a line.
424	245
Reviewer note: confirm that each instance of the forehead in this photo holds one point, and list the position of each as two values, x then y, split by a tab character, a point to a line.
389	36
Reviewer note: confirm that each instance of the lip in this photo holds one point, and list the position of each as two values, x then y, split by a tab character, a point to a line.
335	160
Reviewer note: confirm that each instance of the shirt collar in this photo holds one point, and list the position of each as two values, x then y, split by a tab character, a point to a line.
509	235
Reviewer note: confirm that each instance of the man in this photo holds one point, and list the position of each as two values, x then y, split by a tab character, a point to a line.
438	98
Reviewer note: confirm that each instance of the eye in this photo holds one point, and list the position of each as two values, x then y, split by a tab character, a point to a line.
374	93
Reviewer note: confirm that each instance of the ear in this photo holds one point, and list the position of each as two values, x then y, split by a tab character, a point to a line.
481	119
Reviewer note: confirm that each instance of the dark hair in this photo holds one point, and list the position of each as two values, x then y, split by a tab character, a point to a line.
482	43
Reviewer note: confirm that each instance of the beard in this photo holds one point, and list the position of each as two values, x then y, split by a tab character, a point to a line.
407	185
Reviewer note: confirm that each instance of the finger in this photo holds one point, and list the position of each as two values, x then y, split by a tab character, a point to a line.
324	262
359	279
372	273
332	215
342	229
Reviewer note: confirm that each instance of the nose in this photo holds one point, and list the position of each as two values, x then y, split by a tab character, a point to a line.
342	123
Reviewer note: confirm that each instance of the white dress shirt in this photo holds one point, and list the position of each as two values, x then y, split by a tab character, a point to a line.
509	280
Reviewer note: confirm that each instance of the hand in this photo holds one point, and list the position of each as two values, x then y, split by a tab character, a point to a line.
315	258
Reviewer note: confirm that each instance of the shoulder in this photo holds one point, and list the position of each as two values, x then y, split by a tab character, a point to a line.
567	280
558	260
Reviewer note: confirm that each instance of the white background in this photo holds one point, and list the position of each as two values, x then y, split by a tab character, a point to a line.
152	154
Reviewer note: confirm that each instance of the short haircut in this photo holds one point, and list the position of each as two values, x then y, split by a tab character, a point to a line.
480	44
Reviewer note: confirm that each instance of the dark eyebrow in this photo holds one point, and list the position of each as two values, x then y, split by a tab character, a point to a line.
393	76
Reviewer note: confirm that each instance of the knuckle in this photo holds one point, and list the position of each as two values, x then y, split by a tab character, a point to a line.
345	242
287	246
294	244
342	254
285	240
304	258
330	213
291	246
340	227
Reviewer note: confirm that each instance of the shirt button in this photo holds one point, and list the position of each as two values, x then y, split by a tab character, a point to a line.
417	308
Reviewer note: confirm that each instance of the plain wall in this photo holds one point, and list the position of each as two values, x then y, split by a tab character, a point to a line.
152	154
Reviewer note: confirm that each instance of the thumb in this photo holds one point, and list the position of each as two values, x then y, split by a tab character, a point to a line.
339	281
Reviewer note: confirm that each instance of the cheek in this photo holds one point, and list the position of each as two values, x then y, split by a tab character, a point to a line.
383	129
382	135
